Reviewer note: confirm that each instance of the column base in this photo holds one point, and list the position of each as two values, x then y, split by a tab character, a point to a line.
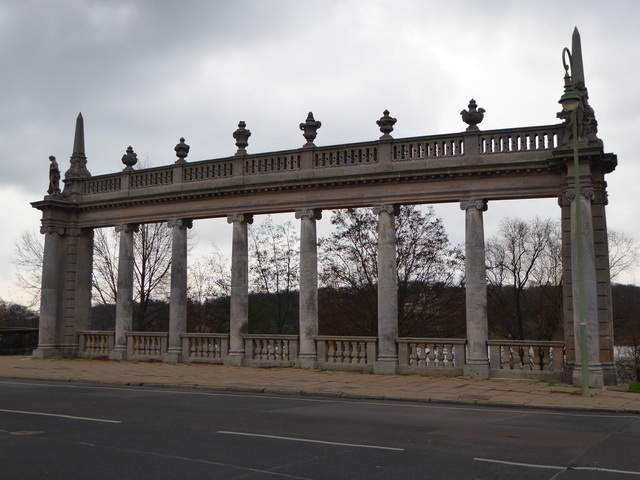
610	373
234	359
476	370
596	376
307	362
172	356
42	353
386	366
118	354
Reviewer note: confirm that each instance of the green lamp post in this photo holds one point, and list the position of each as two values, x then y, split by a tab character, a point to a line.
570	102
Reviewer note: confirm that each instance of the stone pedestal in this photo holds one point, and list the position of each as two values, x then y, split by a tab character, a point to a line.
477	361
178	294
308	355
239	315
124	297
387	359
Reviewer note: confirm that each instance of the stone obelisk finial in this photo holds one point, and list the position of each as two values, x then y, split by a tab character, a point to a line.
78	168
577	68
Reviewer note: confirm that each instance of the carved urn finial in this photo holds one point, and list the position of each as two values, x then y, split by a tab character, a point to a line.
182	150
310	129
472	117
242	138
129	159
386	124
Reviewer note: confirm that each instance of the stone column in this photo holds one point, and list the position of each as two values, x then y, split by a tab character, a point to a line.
178	294
84	279
477	362
239	316
47	341
588	285
124	295
308	356
387	290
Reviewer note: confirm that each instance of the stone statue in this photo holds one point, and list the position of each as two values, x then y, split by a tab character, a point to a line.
54	177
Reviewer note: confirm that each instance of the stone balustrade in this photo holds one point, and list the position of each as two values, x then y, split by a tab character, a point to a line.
526	359
431	356
347	353
313	164
94	343
270	350
204	347
146	345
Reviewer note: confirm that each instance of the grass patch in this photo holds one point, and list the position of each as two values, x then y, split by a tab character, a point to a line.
634	387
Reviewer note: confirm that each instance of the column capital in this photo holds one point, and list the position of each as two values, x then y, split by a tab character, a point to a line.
127	227
240	218
477	204
586	192
390	208
309	213
51	229
180	223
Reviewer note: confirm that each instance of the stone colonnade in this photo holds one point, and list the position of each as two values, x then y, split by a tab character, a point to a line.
67	269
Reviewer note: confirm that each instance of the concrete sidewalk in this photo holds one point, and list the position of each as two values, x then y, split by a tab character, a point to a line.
512	393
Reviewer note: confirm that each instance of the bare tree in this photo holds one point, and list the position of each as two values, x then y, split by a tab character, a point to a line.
520	253
28	253
624	253
209	280
428	273
105	266
274	266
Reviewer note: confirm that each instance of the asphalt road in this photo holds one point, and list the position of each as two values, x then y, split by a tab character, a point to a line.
66	431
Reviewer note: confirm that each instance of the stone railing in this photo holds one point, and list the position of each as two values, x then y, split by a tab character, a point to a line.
94	343
102	184
526	359
518	140
204	347
207	171
428	147
146	345
345	156
431	356
346	353
270	350
304	164
281	162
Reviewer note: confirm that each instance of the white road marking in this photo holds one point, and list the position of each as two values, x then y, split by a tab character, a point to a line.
86	419
557	467
306	440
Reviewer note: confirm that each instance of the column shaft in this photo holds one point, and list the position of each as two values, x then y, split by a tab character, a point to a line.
585	292
124	295
308	356
387	290
239	315
477	362
178	292
47	342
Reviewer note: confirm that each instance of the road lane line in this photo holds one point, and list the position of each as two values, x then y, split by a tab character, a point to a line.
86	419
306	440
557	467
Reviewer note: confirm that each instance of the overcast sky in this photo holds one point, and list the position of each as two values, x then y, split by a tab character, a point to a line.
145	73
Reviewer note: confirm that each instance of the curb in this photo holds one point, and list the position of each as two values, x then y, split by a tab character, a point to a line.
334	395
